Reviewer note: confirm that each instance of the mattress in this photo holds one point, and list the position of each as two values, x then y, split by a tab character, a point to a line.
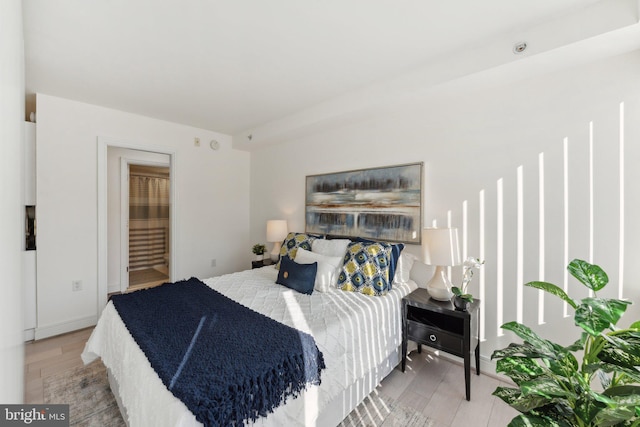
358	335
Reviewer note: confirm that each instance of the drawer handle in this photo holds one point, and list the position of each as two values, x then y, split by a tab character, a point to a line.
433	338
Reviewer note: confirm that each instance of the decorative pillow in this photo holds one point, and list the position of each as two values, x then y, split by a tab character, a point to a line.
334	247
396	249
328	268
292	242
403	268
366	269
299	277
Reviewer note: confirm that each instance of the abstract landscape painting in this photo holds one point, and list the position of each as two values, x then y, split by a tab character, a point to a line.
381	203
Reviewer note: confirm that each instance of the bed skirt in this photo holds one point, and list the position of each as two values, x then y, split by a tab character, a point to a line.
341	405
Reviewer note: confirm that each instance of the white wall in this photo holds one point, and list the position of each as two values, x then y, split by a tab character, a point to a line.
114	154
470	136
212	203
11	211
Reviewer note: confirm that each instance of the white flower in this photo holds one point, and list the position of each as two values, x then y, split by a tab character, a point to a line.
472	262
468	266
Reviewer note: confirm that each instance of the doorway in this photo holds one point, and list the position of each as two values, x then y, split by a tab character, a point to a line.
111	274
145	221
148	225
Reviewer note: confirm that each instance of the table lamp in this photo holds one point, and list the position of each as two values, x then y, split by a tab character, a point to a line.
276	232
440	249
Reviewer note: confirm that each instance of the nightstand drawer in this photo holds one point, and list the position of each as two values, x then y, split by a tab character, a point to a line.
435	337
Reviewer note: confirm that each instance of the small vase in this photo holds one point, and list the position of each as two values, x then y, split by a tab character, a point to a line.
259	257
459	303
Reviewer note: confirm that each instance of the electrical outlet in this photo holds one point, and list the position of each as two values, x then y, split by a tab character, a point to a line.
196	142
76	285
213	262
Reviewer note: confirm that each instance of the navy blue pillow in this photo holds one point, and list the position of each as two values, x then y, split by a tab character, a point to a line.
299	277
396	249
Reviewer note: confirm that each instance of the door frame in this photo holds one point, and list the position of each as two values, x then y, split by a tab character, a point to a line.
125	162
102	145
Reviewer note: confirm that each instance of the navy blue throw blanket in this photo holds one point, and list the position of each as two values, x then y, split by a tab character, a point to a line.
226	362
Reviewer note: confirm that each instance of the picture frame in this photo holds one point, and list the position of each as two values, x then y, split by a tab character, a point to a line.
383	203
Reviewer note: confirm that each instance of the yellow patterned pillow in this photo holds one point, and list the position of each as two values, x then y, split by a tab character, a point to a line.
292	242
366	268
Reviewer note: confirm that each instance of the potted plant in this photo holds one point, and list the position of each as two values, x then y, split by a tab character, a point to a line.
461	296
259	249
552	387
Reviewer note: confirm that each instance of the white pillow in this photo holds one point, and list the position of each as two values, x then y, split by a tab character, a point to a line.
330	247
403	267
327	268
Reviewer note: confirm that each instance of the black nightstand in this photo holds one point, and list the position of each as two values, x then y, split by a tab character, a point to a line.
262	263
439	325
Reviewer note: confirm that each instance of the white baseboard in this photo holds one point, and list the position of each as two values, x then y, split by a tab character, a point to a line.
487	366
29	334
113	287
63	328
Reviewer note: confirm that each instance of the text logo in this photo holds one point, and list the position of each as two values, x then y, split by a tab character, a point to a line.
34	415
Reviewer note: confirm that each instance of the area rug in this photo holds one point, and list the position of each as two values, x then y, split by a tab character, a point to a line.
86	390
378	410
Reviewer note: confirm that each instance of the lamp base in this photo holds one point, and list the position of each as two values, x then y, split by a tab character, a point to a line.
439	287
275	253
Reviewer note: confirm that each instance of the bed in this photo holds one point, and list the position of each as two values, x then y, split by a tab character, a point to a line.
359	336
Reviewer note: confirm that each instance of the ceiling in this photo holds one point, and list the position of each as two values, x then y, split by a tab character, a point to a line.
235	65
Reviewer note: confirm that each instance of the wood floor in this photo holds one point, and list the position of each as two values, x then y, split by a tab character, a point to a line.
49	357
435	386
430	384
148	278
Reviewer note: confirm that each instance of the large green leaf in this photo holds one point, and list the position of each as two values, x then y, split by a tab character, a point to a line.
554	290
614	416
525	420
627	340
587	408
595	315
605	380
590	275
577	382
514	398
543	346
622	348
635	326
632	373
519	369
624	394
618	357
590	321
513	349
557	413
560	410
545	387
525	349
564	366
600	397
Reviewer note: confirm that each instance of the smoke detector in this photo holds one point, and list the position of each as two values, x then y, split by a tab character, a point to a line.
519	47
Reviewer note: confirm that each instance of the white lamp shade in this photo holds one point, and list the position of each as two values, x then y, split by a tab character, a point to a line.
440	249
440	246
276	230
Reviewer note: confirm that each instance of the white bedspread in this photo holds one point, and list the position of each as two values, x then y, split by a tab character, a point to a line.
358	335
